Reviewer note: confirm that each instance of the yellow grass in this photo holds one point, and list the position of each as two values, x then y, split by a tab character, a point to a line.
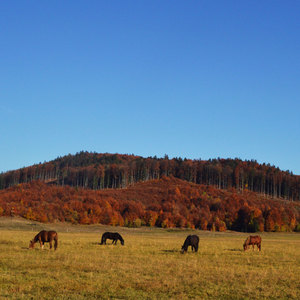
149	266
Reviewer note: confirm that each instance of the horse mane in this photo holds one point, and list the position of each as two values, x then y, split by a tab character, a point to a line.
36	238
186	242
120	237
247	241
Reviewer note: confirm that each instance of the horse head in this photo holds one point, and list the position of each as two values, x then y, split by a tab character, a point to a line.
31	244
246	244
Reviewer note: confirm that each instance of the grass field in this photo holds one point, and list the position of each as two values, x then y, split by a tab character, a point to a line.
148	266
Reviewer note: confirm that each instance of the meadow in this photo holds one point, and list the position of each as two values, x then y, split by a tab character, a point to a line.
148	266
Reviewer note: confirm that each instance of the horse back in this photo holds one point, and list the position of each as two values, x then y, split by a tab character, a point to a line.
107	235
47	236
52	235
191	240
255	239
195	239
111	235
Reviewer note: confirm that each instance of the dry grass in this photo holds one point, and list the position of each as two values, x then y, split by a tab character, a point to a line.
149	266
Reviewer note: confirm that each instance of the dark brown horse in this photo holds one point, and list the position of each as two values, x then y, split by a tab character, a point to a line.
45	237
115	236
191	240
252	240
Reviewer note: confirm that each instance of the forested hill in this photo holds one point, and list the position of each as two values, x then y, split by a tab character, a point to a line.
101	171
165	202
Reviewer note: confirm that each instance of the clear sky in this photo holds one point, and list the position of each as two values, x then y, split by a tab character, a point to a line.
195	79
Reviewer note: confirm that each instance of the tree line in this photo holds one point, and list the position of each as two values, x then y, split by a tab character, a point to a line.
102	171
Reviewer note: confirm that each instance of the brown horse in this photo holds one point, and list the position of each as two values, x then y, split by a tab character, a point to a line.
252	240
45	237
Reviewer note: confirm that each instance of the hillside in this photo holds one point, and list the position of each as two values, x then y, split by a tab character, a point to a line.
164	202
101	171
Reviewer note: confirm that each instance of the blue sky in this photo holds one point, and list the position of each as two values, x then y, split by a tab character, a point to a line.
194	79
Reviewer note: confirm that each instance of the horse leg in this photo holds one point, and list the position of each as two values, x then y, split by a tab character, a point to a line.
55	242
41	244
50	245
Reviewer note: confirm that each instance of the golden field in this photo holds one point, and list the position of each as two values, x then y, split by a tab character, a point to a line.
148	266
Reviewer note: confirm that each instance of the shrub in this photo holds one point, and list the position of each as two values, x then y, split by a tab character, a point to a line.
137	223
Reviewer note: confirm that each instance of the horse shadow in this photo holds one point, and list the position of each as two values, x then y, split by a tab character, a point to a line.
170	251
235	250
99	244
36	249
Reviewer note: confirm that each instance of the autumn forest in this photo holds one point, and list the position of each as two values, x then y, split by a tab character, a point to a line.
129	190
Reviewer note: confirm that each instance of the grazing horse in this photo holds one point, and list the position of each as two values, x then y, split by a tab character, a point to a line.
252	240
115	236
45	237
191	240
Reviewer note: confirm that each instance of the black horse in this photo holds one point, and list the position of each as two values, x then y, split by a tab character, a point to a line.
115	236
191	240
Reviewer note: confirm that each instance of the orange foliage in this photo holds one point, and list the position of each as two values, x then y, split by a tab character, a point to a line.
165	202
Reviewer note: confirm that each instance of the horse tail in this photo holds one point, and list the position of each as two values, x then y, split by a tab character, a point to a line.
259	243
55	242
